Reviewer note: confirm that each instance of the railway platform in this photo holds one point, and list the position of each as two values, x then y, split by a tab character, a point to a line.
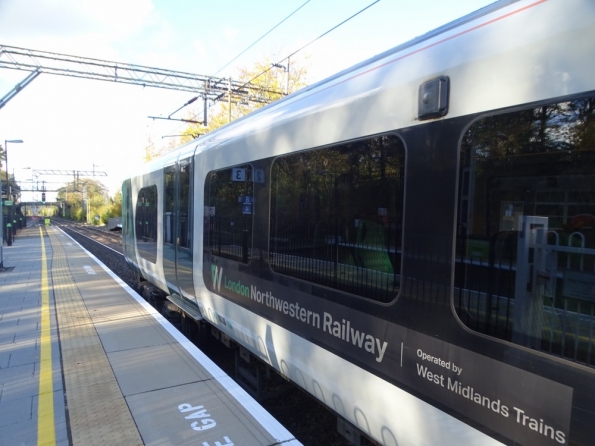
84	360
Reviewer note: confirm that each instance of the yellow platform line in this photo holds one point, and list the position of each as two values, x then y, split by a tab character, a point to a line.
46	432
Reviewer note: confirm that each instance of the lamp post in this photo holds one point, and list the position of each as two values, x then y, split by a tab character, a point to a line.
8	196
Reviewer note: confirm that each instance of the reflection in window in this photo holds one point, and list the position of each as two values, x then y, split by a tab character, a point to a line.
525	269
128	219
228	213
169	205
336	216
182	214
185	204
146	223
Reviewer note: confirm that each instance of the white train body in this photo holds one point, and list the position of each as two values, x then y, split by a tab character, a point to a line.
513	56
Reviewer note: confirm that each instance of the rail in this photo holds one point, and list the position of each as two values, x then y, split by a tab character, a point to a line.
108	239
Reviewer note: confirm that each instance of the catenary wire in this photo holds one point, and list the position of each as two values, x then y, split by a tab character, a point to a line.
262	37
308	44
250	46
196	115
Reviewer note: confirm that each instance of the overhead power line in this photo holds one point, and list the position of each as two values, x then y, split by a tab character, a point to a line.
300	49
190	121
262	37
226	65
330	30
221	96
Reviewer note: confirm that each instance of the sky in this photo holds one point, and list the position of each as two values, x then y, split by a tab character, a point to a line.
85	125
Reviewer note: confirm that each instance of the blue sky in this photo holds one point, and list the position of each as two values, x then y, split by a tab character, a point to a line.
74	124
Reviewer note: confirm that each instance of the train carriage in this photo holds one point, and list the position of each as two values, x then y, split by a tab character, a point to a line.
412	241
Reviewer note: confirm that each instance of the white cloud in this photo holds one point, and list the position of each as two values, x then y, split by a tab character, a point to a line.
122	17
85	27
200	48
230	34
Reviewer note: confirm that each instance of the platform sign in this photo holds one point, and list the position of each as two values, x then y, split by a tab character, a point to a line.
259	175
238	174
8	203
246	201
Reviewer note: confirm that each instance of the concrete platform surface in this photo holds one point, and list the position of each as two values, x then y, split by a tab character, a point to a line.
84	360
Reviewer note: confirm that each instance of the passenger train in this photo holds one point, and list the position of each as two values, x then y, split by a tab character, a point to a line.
412	240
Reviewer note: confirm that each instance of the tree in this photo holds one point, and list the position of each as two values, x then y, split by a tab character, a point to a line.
85	199
114	208
117	200
2	158
270	82
153	151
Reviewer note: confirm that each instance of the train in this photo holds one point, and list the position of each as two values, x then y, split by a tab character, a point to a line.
412	240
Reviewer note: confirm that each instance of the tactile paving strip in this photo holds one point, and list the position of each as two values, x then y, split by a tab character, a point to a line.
97	411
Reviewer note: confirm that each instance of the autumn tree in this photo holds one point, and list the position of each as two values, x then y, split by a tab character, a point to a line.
152	150
84	199
266	81
2	158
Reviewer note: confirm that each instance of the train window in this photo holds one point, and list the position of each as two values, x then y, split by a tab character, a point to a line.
525	262
336	216
146	223
228	213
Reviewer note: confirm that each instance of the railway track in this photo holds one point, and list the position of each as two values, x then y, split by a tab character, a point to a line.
301	414
112	240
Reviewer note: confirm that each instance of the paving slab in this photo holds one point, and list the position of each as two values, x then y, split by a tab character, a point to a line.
193	414
131	333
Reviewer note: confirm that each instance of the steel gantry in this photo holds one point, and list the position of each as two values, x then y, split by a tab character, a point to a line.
209	87
76	174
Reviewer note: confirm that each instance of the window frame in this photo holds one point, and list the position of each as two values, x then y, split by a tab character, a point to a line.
213	222
402	178
464	203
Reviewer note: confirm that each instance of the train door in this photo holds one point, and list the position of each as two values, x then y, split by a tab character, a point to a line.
177	228
128	236
169	233
185	226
